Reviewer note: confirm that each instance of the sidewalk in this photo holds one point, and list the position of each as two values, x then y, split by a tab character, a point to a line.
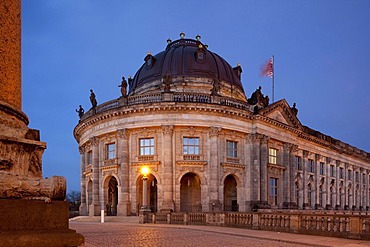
309	240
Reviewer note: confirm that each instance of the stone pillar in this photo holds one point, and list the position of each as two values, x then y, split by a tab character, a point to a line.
10	53
83	205
317	181
367	195
264	161
167	171
337	191
304	177
214	176
292	185
328	181
286	175
123	207
45	224
94	208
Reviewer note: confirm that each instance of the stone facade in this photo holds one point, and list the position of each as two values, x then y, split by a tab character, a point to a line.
209	149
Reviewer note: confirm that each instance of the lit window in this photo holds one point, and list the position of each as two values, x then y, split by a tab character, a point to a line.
272	156
147	146
191	145
274	190
322	165
310	166
110	150
231	149
89	157
298	165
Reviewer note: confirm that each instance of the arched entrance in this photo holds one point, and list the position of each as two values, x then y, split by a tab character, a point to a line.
152	193
190	193
112	197
89	194
230	194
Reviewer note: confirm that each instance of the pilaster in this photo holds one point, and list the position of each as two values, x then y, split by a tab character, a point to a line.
83	205
124	205
94	207
167	172
214	176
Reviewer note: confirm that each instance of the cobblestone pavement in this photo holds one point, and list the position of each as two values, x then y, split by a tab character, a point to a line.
117	234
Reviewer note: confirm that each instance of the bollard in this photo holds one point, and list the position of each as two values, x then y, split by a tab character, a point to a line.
102	216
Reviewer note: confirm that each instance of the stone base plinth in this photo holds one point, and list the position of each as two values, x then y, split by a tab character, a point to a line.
36	223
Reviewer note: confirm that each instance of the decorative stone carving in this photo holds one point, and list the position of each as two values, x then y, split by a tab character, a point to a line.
81	150
214	131
122	133
29	187
167	129
94	141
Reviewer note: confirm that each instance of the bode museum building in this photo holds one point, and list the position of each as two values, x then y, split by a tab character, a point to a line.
209	147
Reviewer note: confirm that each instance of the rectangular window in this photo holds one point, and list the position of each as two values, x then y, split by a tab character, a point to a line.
191	145
357	176
110	151
274	190
272	156
322	165
298	164
349	174
310	166
231	149
363	178
332	171
147	146
341	173
89	157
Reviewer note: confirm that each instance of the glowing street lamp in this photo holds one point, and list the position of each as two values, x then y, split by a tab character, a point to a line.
145	171
144	211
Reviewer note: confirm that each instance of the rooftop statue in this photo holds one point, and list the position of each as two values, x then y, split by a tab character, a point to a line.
93	101
258	98
80	111
123	87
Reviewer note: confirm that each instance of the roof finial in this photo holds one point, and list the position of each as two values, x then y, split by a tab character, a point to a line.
198	37
149	53
238	64
169	41
182	35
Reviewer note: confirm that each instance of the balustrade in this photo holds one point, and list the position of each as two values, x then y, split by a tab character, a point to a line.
354	225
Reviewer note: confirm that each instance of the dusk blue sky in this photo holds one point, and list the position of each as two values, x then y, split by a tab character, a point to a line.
321	48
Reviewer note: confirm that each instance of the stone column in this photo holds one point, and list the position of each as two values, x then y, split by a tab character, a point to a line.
83	205
214	176
304	177
292	185
328	181
123	207
94	208
264	161
286	175
367	195
317	181
167	171
337	191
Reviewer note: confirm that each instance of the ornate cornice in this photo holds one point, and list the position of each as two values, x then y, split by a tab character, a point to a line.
234	166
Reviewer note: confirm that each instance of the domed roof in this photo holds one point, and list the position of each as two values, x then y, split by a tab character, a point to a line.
185	58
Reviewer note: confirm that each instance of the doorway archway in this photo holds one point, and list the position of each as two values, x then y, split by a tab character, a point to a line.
190	193
112	199
230	194
152	193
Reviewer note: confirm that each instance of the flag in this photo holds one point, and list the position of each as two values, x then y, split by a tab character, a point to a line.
268	68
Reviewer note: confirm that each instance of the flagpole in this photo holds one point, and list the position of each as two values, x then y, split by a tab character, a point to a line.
273	75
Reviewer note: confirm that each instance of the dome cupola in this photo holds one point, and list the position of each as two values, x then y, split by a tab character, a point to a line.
187	65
